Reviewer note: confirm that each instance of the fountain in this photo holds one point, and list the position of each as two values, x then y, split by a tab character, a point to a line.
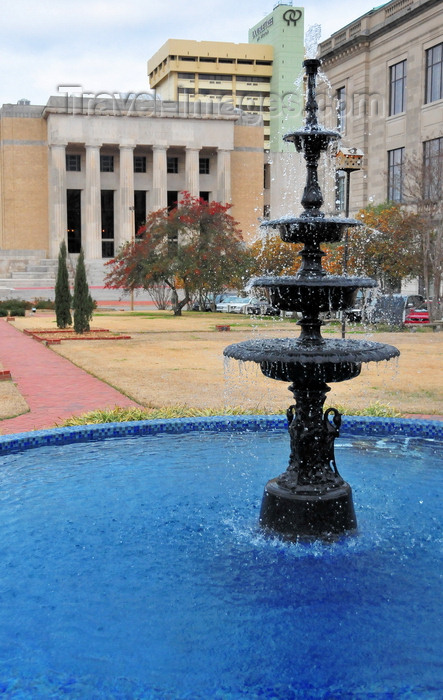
133	567
311	499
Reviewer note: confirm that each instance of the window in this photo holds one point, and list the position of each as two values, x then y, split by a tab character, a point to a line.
204	196
215	76
107	164
341	110
434	73
74	220
267	176
340	190
253	79
395	174
172	199
107	218
139	164
433	169
203	166
139	209
73	162
214	91
172	164
397	88
266	211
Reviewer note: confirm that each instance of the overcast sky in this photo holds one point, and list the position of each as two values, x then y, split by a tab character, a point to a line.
103	45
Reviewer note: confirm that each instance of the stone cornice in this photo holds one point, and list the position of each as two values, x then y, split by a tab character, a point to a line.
355	46
353	38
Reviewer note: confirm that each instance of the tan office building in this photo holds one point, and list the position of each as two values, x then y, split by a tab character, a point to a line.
225	75
89	171
386	73
259	77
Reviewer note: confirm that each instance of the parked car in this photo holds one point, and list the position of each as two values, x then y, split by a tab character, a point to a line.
224	306
355	315
261	307
392	308
209	303
240	305
417	316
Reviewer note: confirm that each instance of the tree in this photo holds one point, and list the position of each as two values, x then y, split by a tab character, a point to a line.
423	190
385	247
161	296
82	302
62	293
272	256
196	247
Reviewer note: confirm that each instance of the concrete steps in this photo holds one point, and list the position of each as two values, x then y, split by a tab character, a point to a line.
20	283
21	271
18	271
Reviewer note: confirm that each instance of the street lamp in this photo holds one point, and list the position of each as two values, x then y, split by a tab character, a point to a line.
347	160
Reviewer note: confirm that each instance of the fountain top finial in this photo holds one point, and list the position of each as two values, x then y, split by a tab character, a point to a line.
311	65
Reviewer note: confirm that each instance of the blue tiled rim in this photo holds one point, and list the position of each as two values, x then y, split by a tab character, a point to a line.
351	426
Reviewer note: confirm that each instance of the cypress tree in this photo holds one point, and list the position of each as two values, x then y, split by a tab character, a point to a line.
82	302
62	293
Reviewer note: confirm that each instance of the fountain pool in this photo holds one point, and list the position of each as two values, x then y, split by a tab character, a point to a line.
132	566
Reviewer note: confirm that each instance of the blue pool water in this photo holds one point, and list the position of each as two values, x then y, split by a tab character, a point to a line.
134	568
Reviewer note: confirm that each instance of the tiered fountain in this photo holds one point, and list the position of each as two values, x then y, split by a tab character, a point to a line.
310	499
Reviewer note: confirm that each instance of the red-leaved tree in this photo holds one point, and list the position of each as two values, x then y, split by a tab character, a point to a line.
195	247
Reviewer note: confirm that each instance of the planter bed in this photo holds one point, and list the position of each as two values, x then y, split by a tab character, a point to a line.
59	331
52	337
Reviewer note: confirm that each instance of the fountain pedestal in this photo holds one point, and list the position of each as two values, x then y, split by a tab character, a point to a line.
309	516
310	498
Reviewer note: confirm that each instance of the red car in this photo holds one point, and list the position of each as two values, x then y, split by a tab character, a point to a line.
417	316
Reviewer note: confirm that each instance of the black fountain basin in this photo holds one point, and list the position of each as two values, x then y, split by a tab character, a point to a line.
315	137
313	294
307	362
312	229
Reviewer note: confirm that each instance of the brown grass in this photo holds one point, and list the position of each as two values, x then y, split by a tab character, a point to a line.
12	402
171	361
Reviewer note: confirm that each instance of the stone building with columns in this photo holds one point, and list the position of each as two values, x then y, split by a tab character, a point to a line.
89	171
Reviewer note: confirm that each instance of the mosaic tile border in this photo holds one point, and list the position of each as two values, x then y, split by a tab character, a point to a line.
351	425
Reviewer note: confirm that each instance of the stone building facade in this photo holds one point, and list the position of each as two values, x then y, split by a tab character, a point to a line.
385	94
89	173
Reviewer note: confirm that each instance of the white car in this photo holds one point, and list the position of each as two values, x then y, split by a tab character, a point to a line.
223	306
240	305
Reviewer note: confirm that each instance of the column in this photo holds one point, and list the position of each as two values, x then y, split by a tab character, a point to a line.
57	198
92	242
192	171
159	178
125	229
224	176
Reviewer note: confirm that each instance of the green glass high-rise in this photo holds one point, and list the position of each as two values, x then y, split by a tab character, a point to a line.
283	29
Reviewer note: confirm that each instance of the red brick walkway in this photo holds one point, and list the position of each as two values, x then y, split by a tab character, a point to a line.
53	387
